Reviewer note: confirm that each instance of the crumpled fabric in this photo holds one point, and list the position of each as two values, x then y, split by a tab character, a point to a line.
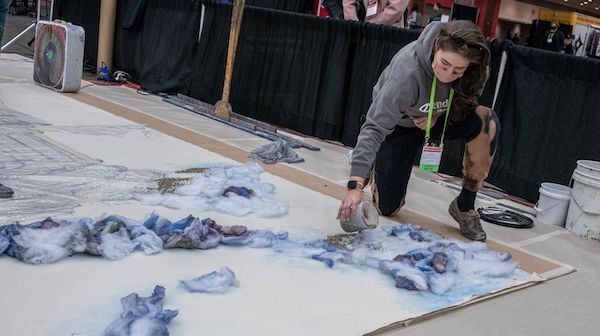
190	233
114	237
143	316
255	238
276	151
217	282
415	258
235	190
110	238
42	242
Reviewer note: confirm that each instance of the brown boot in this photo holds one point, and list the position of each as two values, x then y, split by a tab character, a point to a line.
470	225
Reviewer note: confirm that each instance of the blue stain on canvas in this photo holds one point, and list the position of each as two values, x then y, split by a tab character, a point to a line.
429	271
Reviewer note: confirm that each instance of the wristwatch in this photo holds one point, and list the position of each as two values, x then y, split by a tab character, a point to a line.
352	184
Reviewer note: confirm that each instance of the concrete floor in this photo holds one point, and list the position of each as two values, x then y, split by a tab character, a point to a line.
568	305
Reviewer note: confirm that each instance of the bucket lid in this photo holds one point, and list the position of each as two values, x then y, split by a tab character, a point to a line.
556	188
589	164
505	217
586	178
555	194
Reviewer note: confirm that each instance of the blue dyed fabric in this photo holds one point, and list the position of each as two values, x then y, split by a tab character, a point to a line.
416	259
234	190
190	232
240	191
213	282
142	316
115	237
276	151
255	238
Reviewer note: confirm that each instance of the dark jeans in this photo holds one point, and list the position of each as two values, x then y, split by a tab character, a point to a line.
397	154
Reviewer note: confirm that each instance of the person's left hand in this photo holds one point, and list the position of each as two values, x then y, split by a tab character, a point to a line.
421	122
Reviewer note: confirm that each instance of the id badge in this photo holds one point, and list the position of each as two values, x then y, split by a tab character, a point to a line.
371	8
431	158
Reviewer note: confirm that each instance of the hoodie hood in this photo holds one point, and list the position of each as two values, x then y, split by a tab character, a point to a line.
424	45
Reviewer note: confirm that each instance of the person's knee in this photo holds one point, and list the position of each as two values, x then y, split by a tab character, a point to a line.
388	207
489	122
475	176
388	211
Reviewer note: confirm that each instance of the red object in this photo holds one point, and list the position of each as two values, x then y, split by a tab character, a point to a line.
319	10
488	30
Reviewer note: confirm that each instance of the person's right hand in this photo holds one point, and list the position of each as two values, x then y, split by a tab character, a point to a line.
421	122
349	204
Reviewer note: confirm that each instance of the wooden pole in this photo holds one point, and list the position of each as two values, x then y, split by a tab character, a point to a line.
106	33
223	108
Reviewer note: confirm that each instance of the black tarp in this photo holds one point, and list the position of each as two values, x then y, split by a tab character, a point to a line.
373	47
210	58
291	70
298	6
303	72
548	106
87	15
158	54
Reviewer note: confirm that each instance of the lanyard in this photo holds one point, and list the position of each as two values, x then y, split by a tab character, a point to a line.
550	36
430	114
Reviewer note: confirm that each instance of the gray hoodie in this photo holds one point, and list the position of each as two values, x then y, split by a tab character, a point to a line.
403	90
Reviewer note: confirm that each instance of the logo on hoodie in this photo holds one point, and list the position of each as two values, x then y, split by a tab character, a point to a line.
438	107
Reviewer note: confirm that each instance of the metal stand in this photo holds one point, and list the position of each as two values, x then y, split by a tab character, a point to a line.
32	25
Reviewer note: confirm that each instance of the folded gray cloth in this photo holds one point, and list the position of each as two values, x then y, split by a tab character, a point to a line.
277	151
5	192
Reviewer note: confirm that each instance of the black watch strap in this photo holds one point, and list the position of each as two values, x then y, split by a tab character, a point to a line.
353	184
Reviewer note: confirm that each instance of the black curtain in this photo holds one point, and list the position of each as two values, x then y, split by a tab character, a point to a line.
157	48
548	104
298	6
208	62
290	68
373	47
87	15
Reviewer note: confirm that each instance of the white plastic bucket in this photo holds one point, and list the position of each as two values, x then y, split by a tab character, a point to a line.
553	203
583	217
588	167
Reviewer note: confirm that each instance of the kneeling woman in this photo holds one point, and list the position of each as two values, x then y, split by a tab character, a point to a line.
427	95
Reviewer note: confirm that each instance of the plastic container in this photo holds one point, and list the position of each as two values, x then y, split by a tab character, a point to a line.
553	204
583	217
366	218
